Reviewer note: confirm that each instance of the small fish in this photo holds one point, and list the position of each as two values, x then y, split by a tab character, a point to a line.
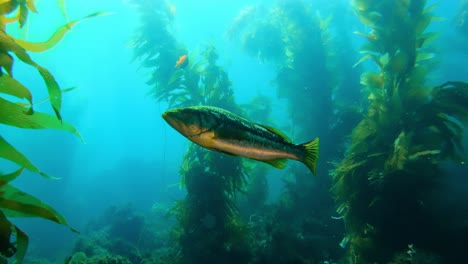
181	62
219	130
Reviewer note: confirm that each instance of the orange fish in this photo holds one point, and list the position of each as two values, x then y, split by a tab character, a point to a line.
181	62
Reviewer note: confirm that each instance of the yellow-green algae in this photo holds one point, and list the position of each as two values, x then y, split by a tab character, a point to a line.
393	161
14	202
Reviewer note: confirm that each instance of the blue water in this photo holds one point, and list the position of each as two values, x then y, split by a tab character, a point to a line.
129	154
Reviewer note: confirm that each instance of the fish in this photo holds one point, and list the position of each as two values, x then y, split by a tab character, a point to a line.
219	130
181	62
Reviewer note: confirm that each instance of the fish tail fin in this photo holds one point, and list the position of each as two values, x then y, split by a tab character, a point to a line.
311	154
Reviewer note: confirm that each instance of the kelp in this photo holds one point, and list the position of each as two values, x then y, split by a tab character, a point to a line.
393	161
296	37
207	214
212	180
14	202
208	211
56	37
154	45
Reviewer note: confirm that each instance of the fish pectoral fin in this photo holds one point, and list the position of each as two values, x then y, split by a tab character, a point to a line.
277	163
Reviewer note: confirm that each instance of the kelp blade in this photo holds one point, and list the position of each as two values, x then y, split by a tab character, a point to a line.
56	37
14	115
11	86
10	153
5	179
22	242
7	43
16	203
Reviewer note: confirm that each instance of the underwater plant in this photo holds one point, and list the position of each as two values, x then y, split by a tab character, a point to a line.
14	202
300	43
123	231
155	48
383	185
208	230
208	214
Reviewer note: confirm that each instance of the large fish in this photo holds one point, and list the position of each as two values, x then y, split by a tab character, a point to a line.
219	130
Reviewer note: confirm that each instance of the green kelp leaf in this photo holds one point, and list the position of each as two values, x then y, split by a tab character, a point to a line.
55	38
31	5
366	57
451	98
430	8
66	90
7	43
11	86
372	79
50	43
14	115
422	24
10	153
426	38
7	6
5	179
10	248
55	93
7	249
23	14
370	37
423	56
16	203
6	62
175	79
22	242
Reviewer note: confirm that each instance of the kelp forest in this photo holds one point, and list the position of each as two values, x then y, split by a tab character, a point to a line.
361	75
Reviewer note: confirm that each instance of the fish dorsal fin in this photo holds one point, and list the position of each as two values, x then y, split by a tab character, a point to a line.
277	132
277	163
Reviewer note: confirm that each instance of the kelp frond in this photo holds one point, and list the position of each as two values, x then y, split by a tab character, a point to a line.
16	203
211	179
56	37
412	128
20	114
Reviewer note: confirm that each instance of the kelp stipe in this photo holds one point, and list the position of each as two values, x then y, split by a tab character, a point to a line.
393	163
298	40
208	214
14	202
208	229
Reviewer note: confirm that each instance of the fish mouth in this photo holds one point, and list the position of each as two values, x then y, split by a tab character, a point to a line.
171	118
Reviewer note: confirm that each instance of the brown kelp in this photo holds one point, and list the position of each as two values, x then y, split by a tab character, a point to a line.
154	46
208	230
299	40
208	215
14	202
394	160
